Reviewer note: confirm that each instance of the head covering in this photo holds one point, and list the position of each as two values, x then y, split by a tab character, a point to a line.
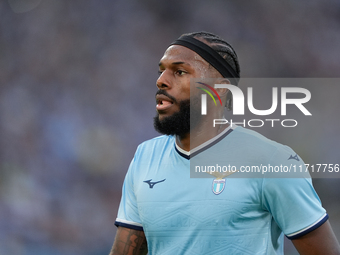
209	55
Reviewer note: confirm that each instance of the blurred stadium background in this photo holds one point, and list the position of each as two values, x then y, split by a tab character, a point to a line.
77	85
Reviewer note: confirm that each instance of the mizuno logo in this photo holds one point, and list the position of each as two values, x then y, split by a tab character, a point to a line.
151	184
294	157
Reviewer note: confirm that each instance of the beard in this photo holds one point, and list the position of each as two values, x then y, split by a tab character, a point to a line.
179	123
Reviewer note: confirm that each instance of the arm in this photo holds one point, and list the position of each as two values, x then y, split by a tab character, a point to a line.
318	242
129	242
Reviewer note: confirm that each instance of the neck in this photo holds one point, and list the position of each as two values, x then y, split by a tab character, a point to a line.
199	135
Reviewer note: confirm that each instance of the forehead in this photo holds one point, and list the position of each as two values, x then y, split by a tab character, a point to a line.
177	53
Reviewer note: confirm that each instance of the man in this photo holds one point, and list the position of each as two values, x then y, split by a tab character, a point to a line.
164	211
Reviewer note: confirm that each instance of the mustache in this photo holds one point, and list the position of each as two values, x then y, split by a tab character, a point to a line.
163	92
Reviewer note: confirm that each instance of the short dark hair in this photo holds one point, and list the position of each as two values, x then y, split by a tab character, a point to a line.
220	46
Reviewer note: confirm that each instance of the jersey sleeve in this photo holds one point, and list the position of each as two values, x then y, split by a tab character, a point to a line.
293	202
128	215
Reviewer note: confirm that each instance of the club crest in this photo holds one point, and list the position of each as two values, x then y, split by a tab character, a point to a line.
218	186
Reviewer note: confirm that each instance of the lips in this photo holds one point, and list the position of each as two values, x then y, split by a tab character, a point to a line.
163	102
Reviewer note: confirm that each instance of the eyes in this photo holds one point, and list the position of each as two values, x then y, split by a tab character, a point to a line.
180	72
177	72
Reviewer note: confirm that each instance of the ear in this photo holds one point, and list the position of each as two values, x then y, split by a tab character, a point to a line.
222	91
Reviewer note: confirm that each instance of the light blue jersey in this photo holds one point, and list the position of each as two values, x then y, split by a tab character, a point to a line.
230	215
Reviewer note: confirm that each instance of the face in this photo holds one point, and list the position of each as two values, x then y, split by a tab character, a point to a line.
176	68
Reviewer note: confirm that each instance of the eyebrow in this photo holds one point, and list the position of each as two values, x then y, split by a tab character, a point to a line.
175	63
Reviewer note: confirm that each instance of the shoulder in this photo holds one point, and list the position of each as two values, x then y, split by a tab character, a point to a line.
150	153
256	143
154	146
250	136
159	141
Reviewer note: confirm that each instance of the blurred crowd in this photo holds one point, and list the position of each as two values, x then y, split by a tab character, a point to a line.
77	85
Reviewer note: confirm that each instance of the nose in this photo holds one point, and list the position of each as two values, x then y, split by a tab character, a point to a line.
162	81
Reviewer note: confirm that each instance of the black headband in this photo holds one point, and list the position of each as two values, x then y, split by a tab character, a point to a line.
210	55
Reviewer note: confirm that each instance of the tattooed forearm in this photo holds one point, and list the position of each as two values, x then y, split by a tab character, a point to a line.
129	242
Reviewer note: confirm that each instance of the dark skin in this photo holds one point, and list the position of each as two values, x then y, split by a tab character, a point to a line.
320	241
129	242
177	67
